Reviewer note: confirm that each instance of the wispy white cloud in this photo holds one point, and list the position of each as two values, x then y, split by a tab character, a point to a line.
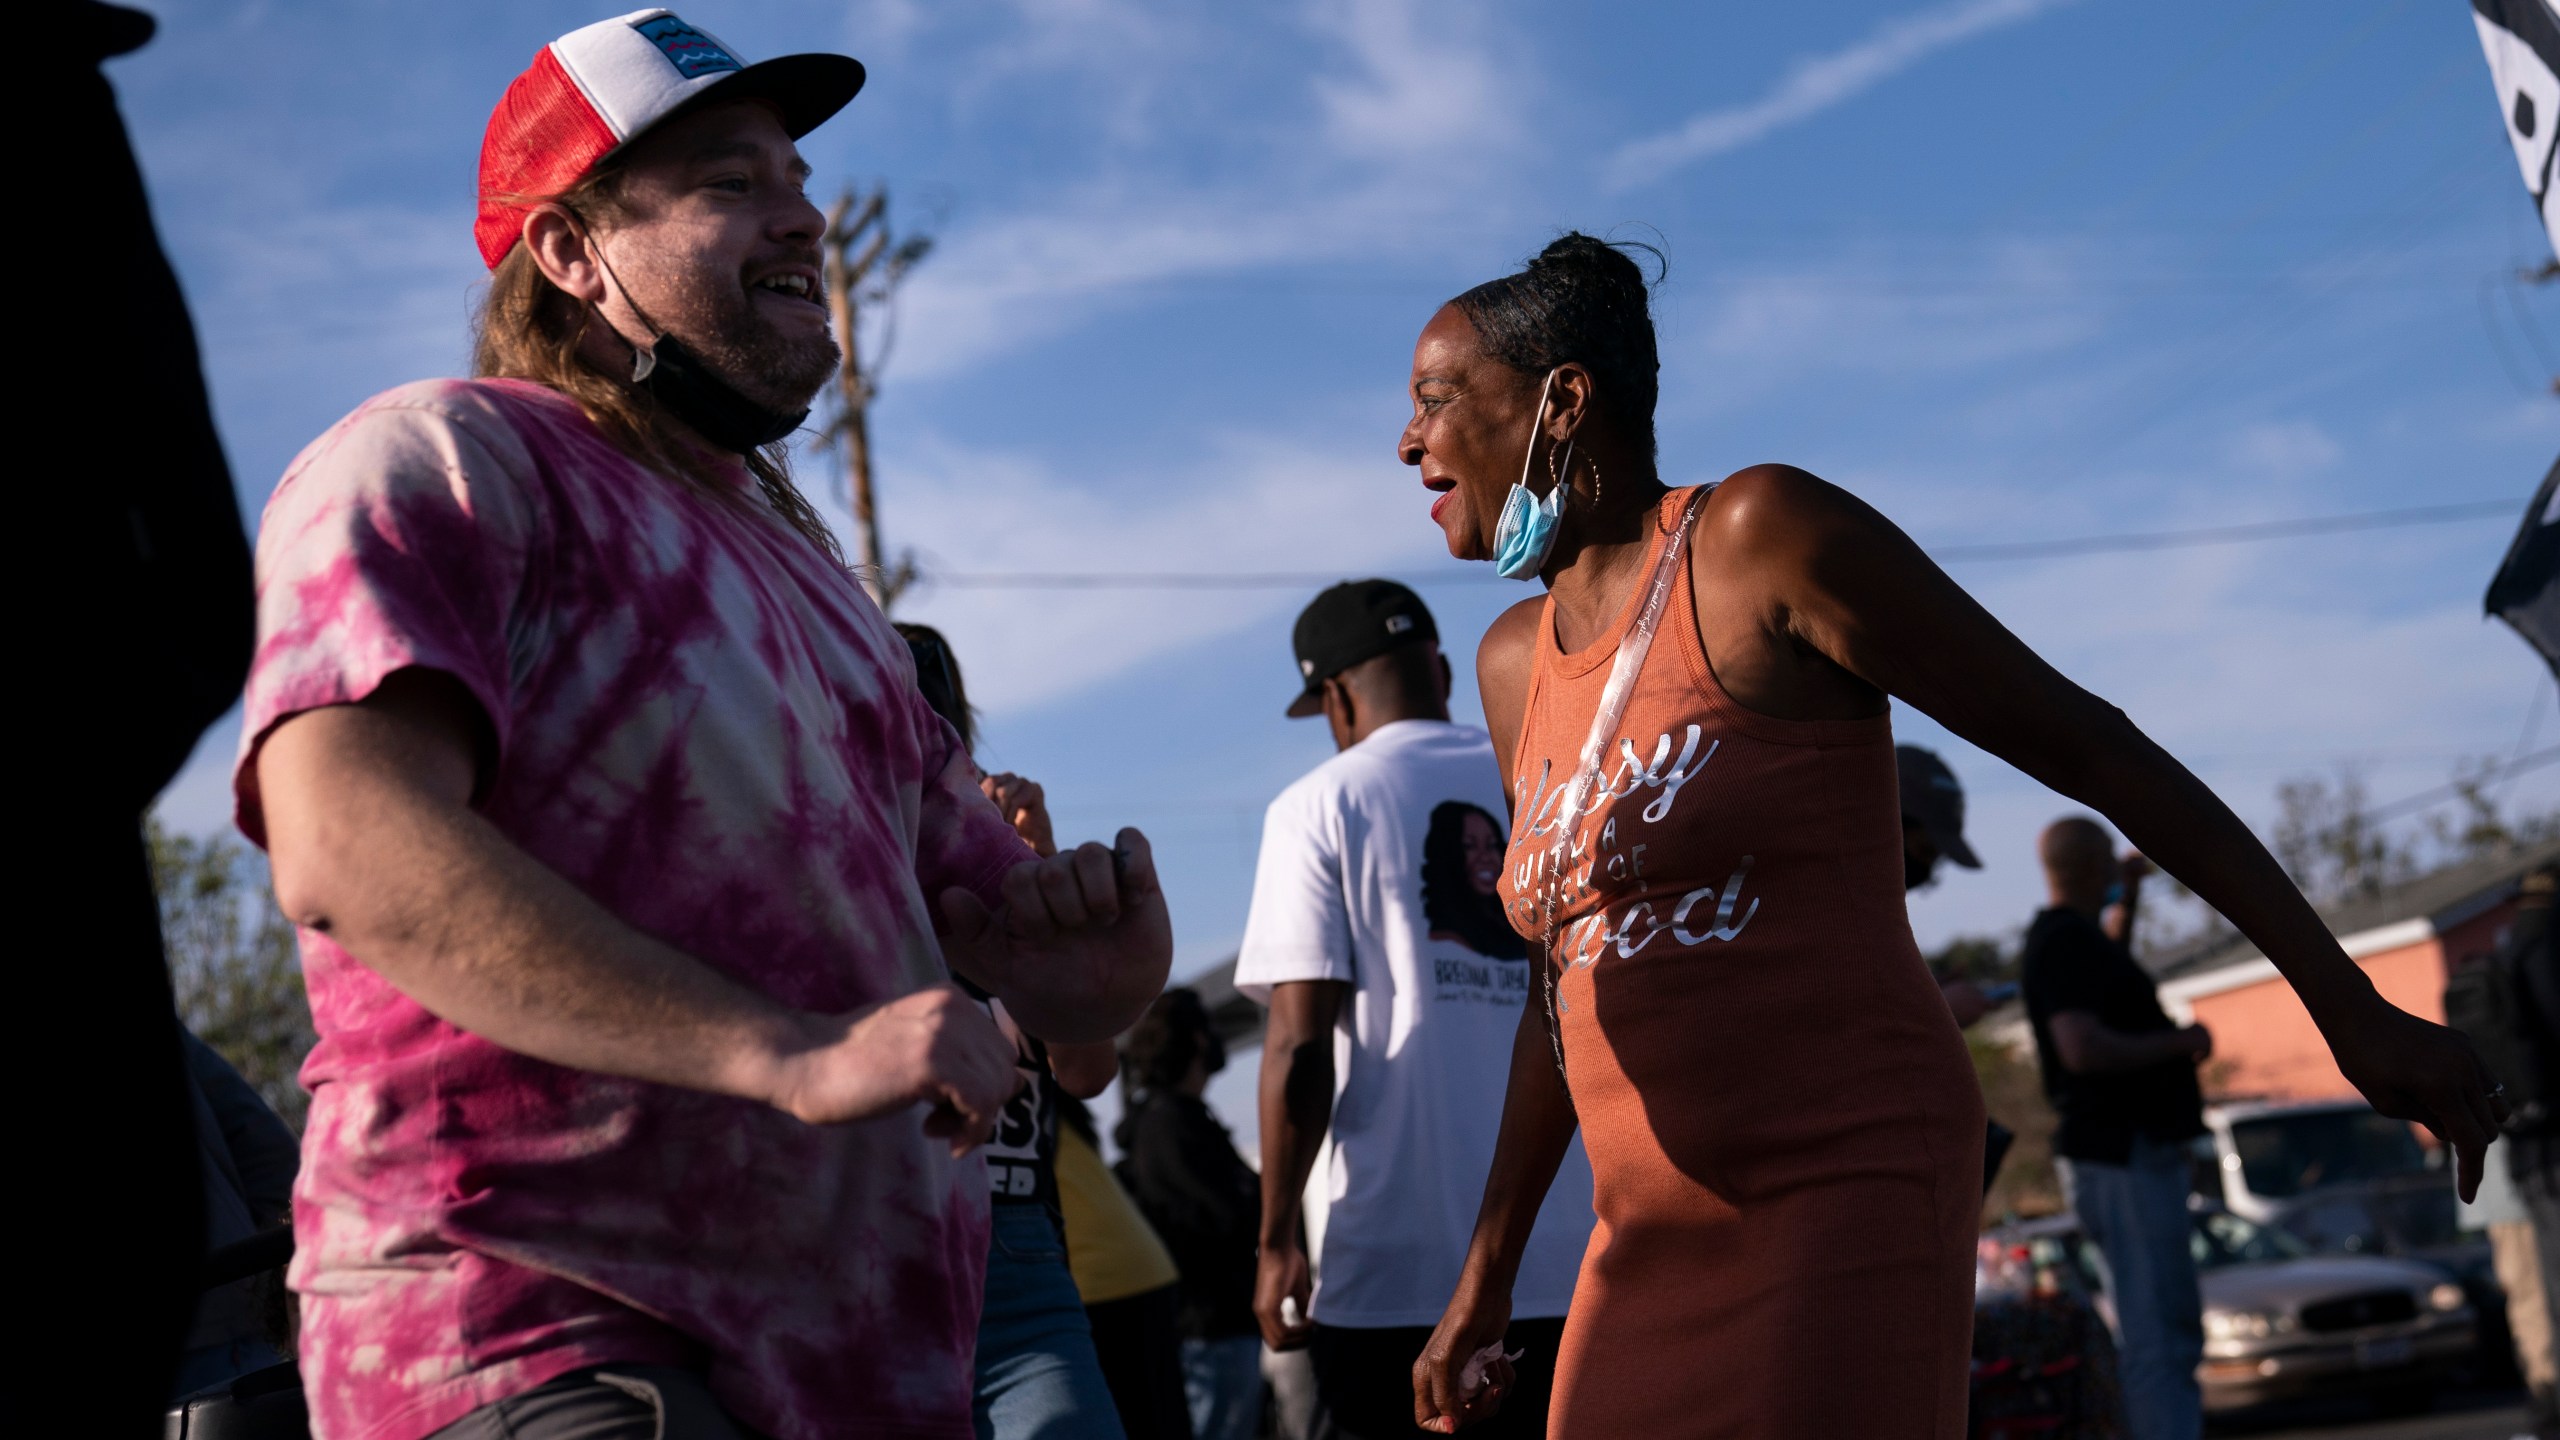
1017	279
1246	501
1026	277
1814	85
2285	449
1412	112
1117	70
1426	87
1756	328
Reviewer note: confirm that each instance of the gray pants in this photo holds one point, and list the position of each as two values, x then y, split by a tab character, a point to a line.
612	1402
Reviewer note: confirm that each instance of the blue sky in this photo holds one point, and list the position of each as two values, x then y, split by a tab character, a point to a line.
2010	269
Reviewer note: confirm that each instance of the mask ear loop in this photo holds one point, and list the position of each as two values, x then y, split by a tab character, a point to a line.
1559	471
1537	423
642	361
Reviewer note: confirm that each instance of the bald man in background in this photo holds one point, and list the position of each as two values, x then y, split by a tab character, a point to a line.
2122	1076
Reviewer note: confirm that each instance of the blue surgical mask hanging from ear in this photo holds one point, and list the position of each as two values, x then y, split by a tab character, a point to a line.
1526	533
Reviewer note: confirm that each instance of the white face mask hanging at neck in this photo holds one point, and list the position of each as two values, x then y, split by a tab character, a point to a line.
1526	533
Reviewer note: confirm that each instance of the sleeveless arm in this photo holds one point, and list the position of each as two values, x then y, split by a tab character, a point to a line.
1841	579
1505	658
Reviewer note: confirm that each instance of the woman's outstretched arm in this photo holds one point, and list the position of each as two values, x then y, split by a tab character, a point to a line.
1842	580
1537	1127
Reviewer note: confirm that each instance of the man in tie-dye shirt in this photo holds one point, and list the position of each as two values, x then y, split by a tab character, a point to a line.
627	858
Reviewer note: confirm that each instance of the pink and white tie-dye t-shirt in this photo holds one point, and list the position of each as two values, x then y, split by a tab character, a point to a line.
705	725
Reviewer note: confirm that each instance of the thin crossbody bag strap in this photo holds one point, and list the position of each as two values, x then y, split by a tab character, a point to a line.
1633	647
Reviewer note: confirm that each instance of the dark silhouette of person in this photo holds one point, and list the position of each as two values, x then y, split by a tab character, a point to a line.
1461	879
154	652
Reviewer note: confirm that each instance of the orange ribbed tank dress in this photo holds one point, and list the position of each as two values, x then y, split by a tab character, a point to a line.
1784	1128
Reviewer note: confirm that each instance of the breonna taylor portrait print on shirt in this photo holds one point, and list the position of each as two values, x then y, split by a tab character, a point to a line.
1380	869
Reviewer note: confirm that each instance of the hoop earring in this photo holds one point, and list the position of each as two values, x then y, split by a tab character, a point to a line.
1563	474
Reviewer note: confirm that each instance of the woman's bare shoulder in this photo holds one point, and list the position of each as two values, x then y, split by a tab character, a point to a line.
1505	658
1760	498
1767	513
1508	642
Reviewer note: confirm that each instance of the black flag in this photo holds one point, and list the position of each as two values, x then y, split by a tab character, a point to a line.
2522	38
2526	592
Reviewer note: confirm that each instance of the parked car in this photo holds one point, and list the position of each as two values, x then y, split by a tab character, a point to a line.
2263	1156
2043	1363
2282	1321
2346	1180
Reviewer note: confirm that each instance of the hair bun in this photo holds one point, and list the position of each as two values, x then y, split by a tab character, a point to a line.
1584	300
1608	259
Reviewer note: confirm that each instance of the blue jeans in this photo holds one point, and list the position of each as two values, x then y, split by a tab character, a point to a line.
2136	1213
1037	1377
1222	1378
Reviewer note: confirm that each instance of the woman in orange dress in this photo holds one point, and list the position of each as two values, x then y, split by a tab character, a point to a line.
1705	855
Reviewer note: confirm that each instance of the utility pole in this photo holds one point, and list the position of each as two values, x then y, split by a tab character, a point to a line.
864	265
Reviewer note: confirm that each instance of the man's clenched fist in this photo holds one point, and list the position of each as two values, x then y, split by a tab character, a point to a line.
936	1046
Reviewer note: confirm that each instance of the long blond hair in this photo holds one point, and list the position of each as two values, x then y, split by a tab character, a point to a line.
530	329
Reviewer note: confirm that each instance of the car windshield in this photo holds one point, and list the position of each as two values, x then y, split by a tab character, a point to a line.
2286	1155
2224	1239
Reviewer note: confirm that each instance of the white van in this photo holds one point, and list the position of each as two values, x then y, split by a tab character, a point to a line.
2263	1156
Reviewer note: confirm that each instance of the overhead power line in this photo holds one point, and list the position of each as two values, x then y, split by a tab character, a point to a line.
1944	555
2442	793
2233	534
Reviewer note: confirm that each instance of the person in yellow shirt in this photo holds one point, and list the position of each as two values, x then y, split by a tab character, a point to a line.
1127	1278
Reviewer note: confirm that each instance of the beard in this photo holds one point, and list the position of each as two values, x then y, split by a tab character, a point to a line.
720	323
783	372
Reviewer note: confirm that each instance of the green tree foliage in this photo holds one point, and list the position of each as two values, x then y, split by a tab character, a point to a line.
2337	845
2328	839
1978	958
2477	827
232	961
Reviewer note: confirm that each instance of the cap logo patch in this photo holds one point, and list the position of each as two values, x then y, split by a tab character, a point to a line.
689	50
1398	624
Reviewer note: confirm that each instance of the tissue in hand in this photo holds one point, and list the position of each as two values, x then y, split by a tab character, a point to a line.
1471	1379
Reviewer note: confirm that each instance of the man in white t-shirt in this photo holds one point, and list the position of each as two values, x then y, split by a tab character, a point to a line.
1394	985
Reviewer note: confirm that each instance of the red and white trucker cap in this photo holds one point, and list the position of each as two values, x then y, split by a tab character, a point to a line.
593	89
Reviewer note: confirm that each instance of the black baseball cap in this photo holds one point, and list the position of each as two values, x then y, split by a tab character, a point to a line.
1354	621
1932	800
